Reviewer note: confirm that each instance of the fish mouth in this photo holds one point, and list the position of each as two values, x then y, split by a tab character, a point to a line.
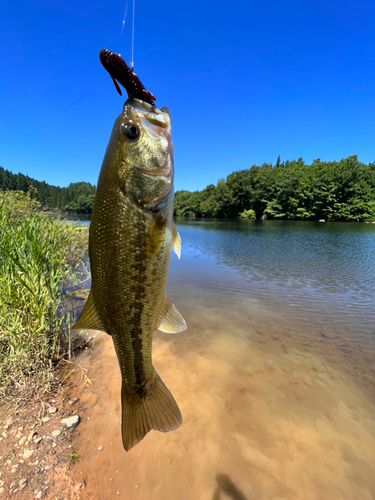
154	122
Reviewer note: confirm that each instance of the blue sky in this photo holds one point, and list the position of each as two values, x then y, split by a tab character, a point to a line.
245	81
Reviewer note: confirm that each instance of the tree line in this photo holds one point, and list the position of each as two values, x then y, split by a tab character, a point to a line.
339	190
78	197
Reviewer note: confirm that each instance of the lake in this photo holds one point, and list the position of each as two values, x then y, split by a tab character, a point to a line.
274	377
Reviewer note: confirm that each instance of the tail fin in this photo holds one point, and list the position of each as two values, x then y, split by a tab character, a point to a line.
154	408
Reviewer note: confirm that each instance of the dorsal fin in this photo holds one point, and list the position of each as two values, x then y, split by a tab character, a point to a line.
176	241
89	319
170	320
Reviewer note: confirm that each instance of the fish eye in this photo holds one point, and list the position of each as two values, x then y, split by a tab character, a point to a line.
130	130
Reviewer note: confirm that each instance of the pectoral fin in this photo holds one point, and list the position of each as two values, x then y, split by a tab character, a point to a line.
176	241
155	236
170	320
89	319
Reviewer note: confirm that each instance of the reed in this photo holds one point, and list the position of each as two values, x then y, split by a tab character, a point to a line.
40	258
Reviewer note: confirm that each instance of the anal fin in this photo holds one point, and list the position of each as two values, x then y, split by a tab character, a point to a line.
89	319
170	320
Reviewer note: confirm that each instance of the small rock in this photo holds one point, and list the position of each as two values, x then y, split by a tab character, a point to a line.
37	440
52	409
9	462
45	419
18	435
20	428
4	434
73	401
80	486
38	495
27	454
2	483
22	441
31	435
71	422
23	483
100	448
2	491
55	433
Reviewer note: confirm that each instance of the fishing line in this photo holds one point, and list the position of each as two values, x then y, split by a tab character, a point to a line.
42	125
132	63
123	21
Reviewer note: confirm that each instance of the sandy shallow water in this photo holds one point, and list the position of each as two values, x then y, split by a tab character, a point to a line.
272	409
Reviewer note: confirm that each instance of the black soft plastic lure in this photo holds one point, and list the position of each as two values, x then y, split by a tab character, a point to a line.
121	73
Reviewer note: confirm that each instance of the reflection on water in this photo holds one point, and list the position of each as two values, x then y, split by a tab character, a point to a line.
274	376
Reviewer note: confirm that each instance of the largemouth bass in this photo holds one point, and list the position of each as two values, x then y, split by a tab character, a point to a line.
130	243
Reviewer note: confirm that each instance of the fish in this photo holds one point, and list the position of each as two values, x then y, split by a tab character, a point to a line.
131	238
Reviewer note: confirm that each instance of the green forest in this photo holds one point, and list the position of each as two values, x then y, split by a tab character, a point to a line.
339	190
78	197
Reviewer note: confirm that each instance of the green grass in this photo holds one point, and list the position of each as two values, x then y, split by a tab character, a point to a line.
39	258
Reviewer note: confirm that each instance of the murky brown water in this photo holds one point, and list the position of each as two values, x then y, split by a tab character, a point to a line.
276	393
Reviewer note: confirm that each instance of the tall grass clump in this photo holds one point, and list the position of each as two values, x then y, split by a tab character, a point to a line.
39	258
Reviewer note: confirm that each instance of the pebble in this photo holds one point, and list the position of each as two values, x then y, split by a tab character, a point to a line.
100	448
20	428
45	419
37	440
55	433
31	435
2	491
27	454
38	495
71	422
73	401
23	483
2	483
22	441
52	409
8	423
